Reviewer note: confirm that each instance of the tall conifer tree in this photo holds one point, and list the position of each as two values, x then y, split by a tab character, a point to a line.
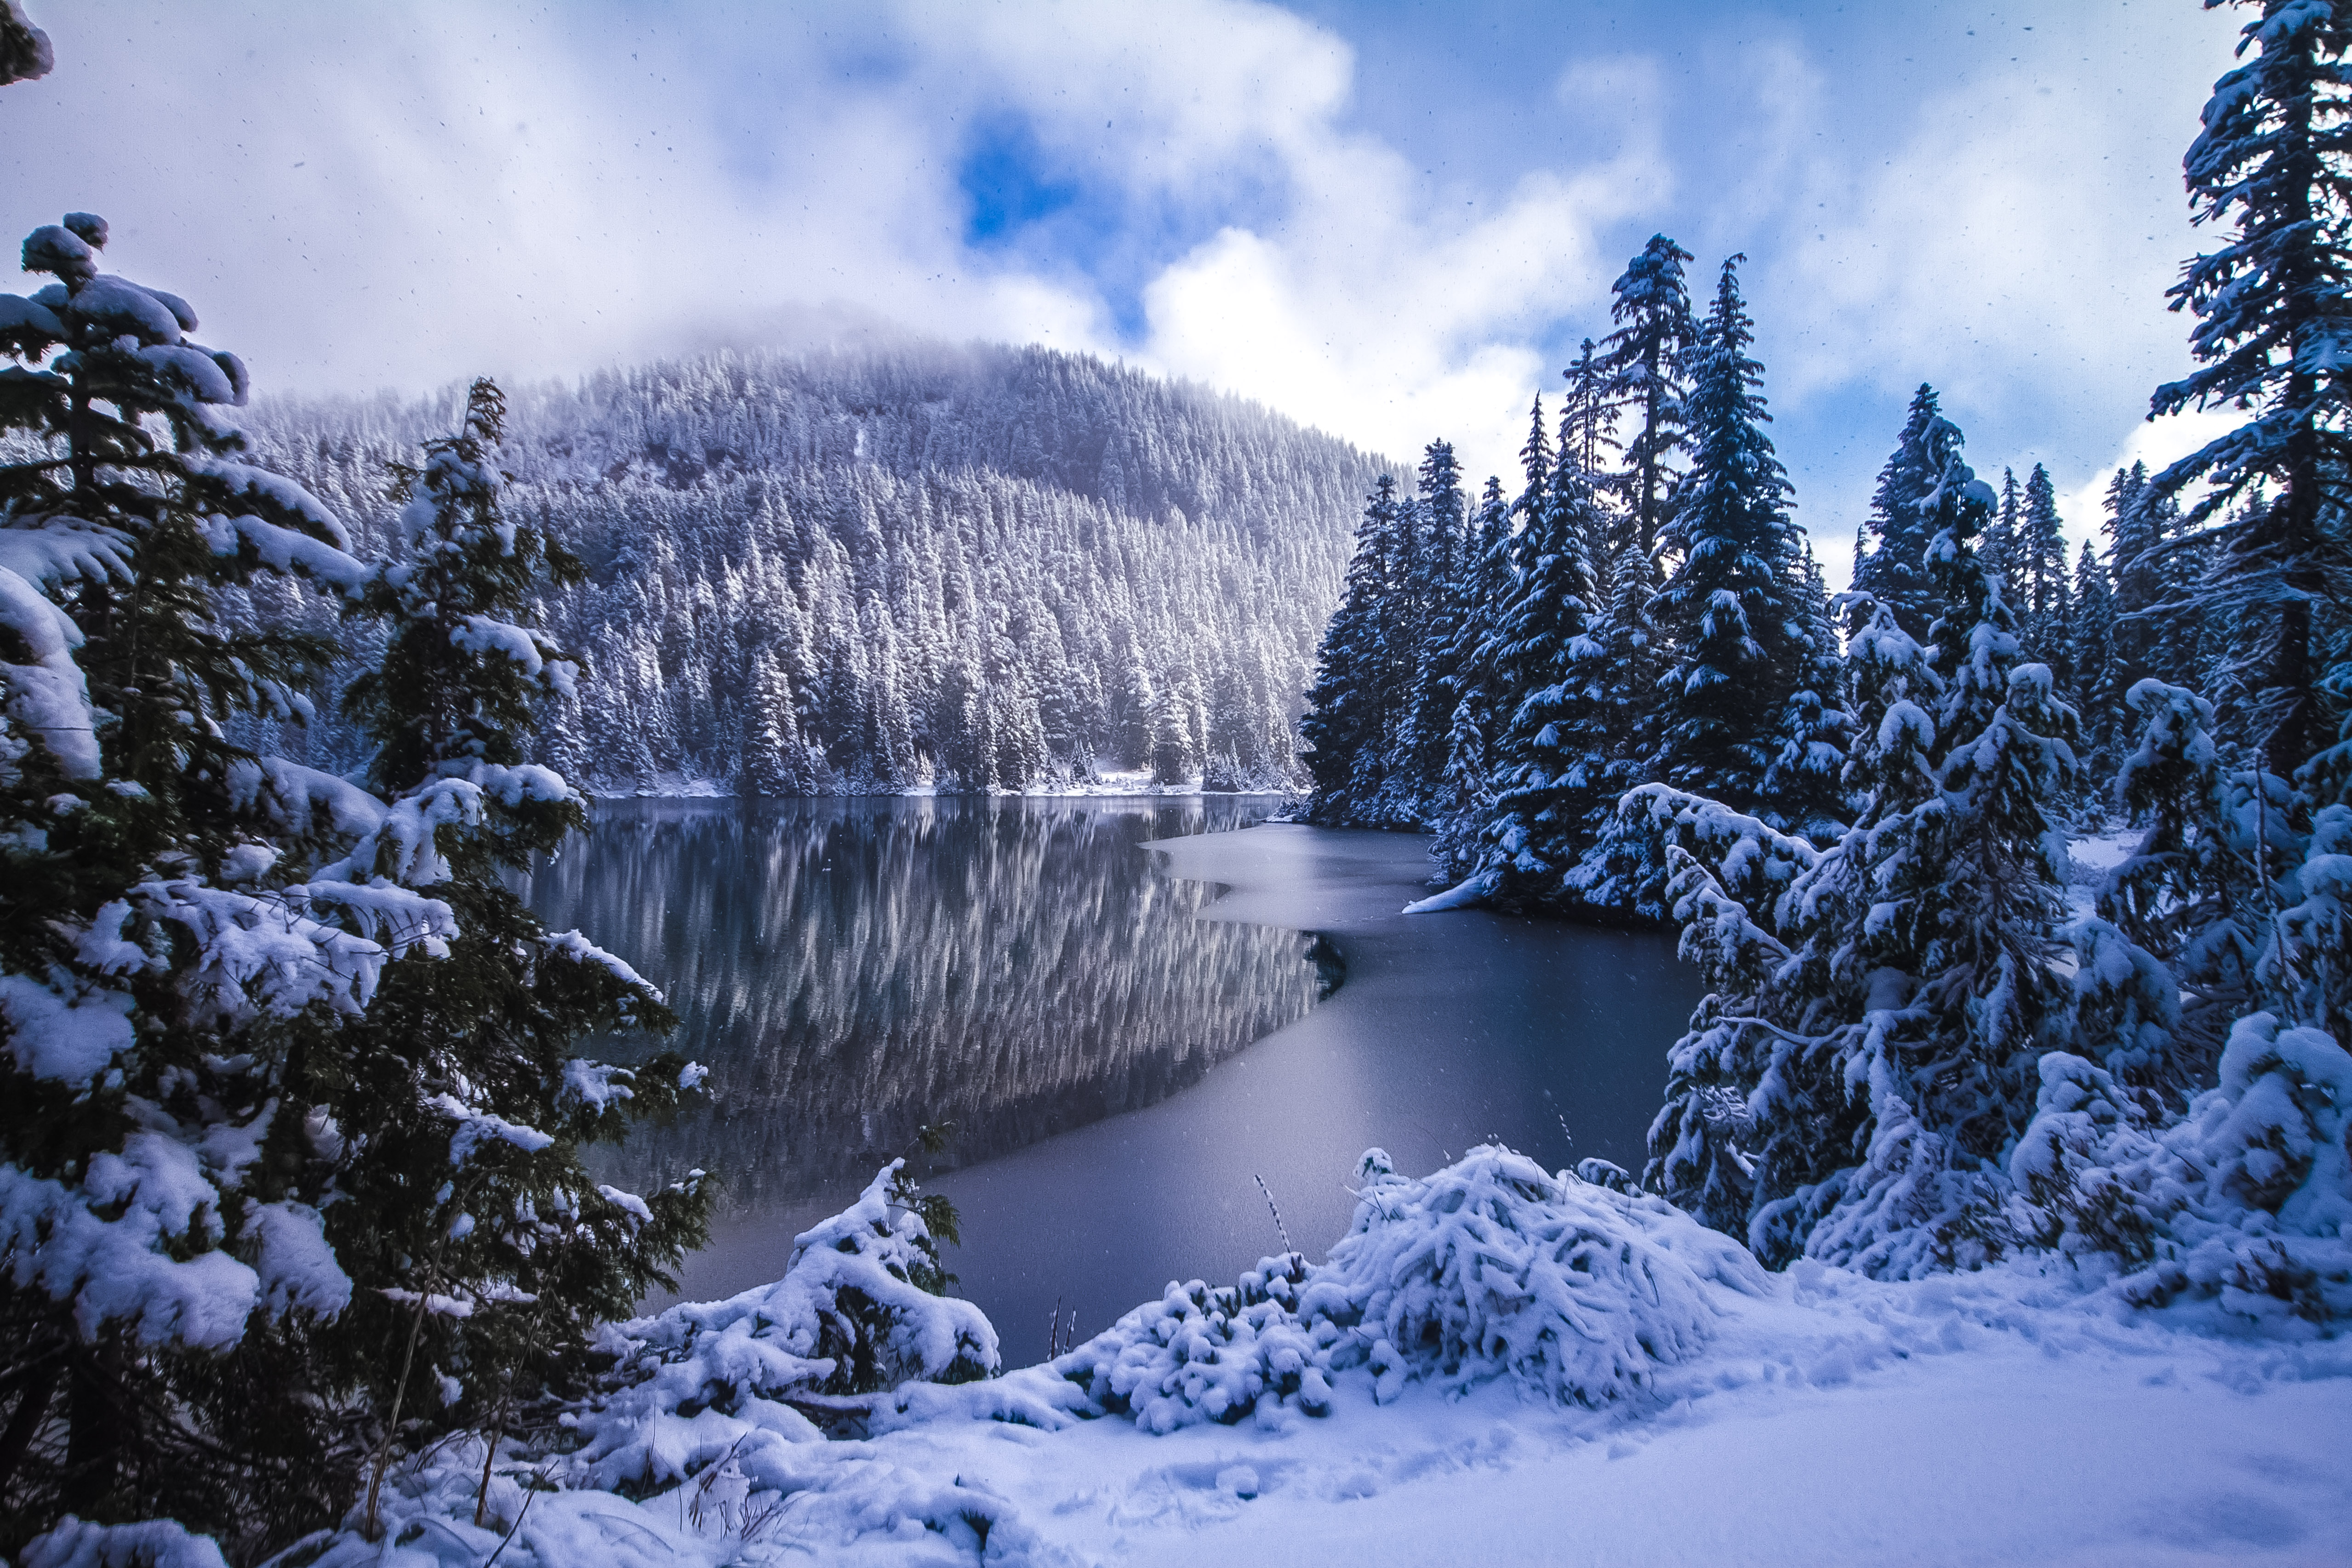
1895	571
1646	376
2272	303
1731	610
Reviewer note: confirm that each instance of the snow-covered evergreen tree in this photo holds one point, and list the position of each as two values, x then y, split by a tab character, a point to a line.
1895	571
1547	801
174	931
2000	551
1351	706
1433	698
480	1243
1867	1061
1804	788
2037	581
2273	304
1646	377
1731	610
2092	659
1589	413
1466	798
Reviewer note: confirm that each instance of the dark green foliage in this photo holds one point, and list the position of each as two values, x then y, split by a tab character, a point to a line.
138	857
1353	708
1894	572
2274	303
1731	610
1646	375
2037	584
1546	797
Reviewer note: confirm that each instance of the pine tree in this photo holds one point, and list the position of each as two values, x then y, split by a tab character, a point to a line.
1466	797
1894	572
2038	586
2092	656
1804	788
1349	710
159	945
1546	804
1646	374
2271	304
1868	1061
190	929
1588	421
477	1241
1730	610
2000	553
1435	696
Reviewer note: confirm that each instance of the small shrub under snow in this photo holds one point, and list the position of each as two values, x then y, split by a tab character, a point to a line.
2246	1202
851	1315
1490	1266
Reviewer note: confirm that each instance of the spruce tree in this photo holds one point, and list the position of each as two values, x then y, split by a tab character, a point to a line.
1730	610
1547	800
171	934
1645	375
1479	686
2272	303
1879	1016
1346	725
2038	584
1588	422
1804	789
2001	539
1894	572
1433	692
480	1243
2092	655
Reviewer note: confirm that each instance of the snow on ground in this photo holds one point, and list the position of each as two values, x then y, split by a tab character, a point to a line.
2002	1417
2089	859
1836	1421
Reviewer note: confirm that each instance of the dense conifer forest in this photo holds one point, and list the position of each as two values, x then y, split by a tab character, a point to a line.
909	566
304	1258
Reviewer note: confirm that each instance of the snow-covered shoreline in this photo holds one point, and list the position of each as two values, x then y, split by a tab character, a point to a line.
1117	786
2018	1414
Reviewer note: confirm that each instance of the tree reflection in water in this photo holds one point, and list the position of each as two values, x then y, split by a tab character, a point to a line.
850	969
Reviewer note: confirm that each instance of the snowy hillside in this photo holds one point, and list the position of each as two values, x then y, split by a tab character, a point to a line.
898	567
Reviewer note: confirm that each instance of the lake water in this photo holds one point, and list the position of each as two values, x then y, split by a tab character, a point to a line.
1126	1008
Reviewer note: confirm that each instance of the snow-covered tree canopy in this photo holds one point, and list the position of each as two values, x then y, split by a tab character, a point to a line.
207	953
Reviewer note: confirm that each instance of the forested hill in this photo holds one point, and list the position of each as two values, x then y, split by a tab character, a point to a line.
875	568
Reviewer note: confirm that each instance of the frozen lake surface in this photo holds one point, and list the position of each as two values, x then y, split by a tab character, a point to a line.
1084	1008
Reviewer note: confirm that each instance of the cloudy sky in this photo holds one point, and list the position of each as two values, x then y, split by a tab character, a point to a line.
1391	221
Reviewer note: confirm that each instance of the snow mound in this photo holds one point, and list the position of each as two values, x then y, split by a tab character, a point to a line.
851	1316
1494	1265
2243	1206
1199	1354
156	1544
1490	1266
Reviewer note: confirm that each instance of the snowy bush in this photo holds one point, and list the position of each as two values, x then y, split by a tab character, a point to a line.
857	1312
1199	1354
1490	1266
2245	1203
156	1544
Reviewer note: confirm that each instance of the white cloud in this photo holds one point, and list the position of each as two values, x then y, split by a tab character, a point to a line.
2154	441
357	196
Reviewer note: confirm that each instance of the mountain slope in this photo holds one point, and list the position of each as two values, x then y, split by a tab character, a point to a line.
882	568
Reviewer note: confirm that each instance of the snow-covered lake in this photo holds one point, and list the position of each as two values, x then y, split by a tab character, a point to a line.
1134	1063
